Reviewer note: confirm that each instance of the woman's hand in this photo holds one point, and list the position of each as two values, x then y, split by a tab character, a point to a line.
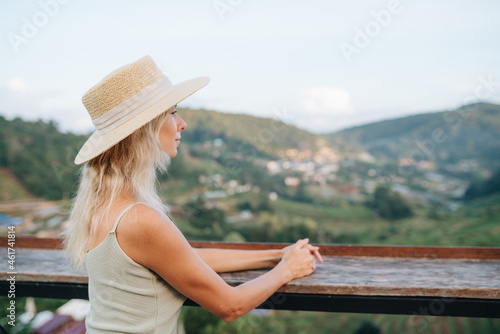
299	259
313	249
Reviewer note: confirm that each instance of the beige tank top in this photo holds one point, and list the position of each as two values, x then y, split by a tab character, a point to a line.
126	297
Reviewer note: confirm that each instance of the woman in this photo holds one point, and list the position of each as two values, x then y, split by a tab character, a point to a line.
140	266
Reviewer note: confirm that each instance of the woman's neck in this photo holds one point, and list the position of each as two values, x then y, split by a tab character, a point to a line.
125	197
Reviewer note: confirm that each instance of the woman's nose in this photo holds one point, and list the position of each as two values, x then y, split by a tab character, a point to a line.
181	124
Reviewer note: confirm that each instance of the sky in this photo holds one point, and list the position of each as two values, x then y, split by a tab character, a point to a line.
319	65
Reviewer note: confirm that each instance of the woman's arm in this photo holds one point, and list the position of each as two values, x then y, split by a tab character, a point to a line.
226	260
156	243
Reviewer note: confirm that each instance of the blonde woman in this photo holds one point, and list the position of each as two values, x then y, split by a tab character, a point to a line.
140	266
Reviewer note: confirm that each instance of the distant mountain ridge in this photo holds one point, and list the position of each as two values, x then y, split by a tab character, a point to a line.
41	158
469	132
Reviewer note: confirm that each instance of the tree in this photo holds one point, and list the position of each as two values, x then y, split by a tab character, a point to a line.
389	204
200	216
264	205
483	188
367	328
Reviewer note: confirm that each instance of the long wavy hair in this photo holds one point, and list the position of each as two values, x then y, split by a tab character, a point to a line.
129	167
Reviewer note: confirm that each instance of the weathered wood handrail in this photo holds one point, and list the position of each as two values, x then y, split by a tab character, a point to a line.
461	281
443	252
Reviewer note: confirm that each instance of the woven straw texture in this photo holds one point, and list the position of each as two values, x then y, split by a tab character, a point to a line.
120	85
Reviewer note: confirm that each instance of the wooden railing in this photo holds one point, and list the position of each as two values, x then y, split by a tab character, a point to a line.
439	281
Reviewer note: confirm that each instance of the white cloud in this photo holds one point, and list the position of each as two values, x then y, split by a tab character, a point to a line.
326	100
18	86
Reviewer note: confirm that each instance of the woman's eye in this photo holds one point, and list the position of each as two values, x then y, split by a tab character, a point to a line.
174	111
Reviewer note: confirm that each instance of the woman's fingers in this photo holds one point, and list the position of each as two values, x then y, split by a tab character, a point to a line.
302	242
315	251
318	255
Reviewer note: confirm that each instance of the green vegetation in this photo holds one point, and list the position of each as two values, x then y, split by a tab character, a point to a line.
39	156
484	188
11	188
202	217
198	321
389	204
283	220
249	135
41	304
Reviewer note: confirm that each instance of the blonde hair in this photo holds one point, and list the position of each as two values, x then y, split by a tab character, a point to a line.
128	167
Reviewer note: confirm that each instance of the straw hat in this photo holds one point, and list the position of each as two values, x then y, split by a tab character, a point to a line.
127	99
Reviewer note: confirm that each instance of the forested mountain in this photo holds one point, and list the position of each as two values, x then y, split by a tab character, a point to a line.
470	132
41	157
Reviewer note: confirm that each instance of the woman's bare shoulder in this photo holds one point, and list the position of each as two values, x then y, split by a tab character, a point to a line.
145	213
144	226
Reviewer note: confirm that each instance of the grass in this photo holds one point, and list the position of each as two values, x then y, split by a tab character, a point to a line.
10	188
325	214
476	224
176	192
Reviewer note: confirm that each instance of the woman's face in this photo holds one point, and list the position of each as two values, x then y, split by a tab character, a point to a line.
170	133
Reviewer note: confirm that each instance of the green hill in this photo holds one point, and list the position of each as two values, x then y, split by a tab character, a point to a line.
39	156
266	135
10	188
470	132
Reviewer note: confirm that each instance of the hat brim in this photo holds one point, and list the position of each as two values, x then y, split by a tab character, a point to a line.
99	143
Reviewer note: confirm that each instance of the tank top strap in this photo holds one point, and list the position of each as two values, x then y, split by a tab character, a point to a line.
121	215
